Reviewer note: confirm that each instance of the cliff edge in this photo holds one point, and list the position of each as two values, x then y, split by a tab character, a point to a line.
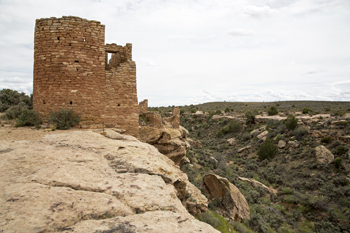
83	181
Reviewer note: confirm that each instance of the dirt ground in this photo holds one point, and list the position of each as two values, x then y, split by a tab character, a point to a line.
9	133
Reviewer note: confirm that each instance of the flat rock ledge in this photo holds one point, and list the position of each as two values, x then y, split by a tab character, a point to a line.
82	181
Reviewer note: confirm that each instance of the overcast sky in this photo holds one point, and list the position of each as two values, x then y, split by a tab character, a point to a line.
196	51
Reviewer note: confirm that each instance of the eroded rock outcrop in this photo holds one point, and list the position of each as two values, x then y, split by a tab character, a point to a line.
165	134
169	141
233	203
84	182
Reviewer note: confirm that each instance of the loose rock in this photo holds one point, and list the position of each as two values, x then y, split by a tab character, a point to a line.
323	155
234	204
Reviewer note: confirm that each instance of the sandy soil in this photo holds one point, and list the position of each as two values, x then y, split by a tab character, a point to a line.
9	133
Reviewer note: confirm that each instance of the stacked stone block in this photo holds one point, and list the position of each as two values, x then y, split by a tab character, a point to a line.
71	71
143	106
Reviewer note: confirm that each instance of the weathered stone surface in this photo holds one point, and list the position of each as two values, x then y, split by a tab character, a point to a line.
150	134
233	202
184	161
194	201
256	183
143	106
263	134
194	143
231	141
58	182
281	144
152	222
167	140
185	132
173	121
254	131
294	144
200	114
323	155
244	149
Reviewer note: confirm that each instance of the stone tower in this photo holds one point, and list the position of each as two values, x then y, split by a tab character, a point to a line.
72	70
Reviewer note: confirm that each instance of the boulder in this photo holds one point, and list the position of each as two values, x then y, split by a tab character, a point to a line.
243	149
323	155
169	141
72	182
200	114
254	131
294	144
233	203
262	135
281	144
231	141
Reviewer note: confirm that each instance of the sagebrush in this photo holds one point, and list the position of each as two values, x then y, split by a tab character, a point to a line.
64	118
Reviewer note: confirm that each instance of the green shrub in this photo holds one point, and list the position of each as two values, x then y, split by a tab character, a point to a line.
218	112
214	204
300	132
10	98
272	111
143	119
4	107
234	127
306	110
286	191
342	150
291	122
227	109
267	150
326	139
339	113
210	218
216	221
15	111
279	137
182	111
193	110
337	162
28	117
64	118
250	118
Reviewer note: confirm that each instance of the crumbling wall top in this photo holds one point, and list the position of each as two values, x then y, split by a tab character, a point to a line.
66	19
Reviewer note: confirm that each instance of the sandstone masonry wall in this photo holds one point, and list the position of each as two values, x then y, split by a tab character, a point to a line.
72	71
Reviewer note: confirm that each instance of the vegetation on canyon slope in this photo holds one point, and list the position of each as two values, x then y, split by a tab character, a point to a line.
311	196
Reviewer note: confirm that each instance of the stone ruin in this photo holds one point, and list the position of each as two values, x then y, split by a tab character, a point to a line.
75	69
165	134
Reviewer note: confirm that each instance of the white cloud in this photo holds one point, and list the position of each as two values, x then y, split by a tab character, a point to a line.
259	12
